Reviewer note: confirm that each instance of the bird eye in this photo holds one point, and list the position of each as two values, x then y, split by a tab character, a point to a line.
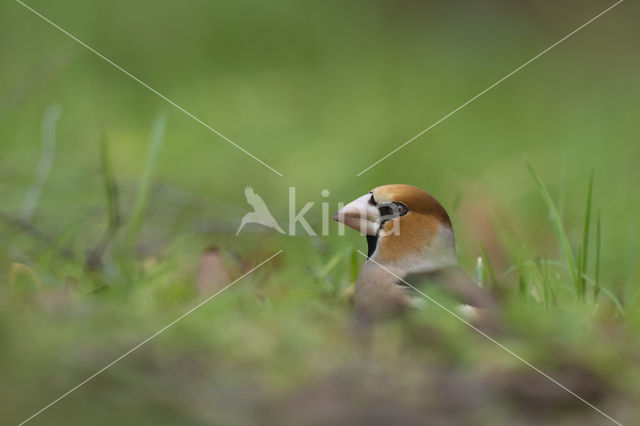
400	209
392	210
386	211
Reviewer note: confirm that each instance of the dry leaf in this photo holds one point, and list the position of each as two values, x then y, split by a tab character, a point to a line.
212	272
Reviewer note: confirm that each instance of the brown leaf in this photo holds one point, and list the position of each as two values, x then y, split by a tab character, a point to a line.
212	272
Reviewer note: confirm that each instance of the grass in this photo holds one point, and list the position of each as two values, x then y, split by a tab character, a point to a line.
558	227
159	294
576	260
146	179
583	257
115	245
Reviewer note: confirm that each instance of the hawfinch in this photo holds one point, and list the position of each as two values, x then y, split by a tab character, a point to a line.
410	240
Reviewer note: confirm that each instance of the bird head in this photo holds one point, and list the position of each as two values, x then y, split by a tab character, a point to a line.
406	227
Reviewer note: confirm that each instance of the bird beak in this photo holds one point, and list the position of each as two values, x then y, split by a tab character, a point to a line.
360	215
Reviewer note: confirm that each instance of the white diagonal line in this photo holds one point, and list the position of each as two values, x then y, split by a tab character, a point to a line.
145	85
492	86
491	339
146	340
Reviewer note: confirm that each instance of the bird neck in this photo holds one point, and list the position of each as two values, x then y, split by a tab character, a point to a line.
438	252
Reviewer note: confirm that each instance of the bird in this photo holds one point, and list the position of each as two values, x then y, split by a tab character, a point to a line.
410	243
260	214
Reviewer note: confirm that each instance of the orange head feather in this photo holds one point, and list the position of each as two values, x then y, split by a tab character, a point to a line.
411	228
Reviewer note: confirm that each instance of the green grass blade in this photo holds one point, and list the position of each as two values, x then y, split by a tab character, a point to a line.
596	288
355	266
47	158
585	239
631	289
558	227
523	288
579	269
613	298
332	263
135	223
491	273
543	267
110	186
94	258
479	272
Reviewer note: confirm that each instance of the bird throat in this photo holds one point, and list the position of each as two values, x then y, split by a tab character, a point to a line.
372	243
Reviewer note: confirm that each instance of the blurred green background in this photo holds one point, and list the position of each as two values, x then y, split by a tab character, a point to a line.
319	91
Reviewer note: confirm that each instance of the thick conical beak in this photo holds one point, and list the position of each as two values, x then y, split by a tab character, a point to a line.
360	215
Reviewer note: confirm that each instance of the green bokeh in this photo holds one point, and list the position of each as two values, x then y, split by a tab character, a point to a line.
319	91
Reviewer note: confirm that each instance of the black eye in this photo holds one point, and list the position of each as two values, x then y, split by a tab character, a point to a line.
386	211
372	200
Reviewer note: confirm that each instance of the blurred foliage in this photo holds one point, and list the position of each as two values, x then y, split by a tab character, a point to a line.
319	91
